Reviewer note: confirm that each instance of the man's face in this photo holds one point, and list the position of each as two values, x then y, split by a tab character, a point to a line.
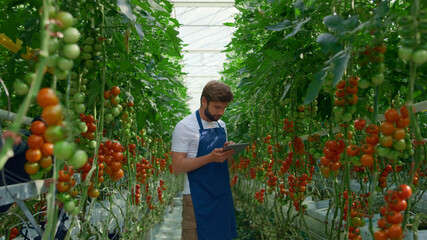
214	110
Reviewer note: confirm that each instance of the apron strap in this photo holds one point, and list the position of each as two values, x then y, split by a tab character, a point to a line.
199	120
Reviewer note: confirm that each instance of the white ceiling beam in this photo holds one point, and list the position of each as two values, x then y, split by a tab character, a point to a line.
202	76
178	3
204	50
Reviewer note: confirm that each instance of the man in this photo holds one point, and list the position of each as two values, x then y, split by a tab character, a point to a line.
197	149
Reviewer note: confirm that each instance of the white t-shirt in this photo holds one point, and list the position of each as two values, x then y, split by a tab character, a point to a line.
185	139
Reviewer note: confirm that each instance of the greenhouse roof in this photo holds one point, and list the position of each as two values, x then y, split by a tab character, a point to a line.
205	37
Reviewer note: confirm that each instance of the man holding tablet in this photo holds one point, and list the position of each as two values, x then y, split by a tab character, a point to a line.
198	142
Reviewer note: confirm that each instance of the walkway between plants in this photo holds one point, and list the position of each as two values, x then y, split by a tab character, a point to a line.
170	228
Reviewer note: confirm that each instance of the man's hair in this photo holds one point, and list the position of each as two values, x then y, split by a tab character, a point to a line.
217	91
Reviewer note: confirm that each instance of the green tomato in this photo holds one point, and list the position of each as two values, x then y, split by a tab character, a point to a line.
87	49
69	205
393	154
20	87
52	60
89	63
80	108
338	111
115	111
30	78
46	169
54	134
37	176
63	149
383	151
351	109
90	40
71	35
63	197
419	56
120	107
377	79
65	64
71	51
346	117
399	145
79	97
92	144
108	117
61	74
75	211
82	127
53	45
405	53
364	84
66	20
78	159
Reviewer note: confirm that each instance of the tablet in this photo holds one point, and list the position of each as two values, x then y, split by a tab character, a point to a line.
238	147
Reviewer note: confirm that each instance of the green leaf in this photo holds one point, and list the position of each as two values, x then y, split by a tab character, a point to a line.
352	23
334	23
340	64
327	42
230	24
156	6
382	10
314	87
94	92
297	28
299	5
280	26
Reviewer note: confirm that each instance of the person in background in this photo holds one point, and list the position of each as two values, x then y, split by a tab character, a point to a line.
197	150
13	171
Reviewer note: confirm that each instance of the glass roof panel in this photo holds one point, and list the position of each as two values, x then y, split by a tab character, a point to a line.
203	32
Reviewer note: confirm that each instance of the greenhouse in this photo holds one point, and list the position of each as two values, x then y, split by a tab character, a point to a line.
213	120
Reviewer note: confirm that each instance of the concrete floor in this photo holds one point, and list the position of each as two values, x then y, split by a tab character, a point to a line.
170	228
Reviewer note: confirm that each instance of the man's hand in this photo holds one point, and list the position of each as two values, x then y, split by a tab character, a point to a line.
217	155
16	138
228	143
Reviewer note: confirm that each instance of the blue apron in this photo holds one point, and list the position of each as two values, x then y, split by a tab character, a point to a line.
210	190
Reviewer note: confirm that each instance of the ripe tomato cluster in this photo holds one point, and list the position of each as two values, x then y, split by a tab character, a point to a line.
148	201
271	181
286	164
346	99
113	99
89	121
332	155
394	138
288	126
65	179
160	192
297	187
136	197
371	61
391	213
357	212
39	154
144	169
259	196
88	166
368	148
113	158
233	181
13	233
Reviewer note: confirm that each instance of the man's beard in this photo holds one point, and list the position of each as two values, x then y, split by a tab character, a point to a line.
210	116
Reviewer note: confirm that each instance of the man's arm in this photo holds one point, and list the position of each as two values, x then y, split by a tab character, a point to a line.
180	162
